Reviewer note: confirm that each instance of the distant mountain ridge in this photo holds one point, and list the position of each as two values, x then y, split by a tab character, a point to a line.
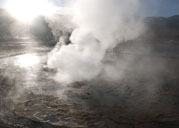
162	28
164	21
156	27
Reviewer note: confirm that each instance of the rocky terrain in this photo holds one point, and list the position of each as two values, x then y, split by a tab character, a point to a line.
146	96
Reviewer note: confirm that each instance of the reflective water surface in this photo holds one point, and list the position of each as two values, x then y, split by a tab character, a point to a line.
27	60
29	96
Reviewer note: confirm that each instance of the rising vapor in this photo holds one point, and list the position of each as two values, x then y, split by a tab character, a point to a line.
100	26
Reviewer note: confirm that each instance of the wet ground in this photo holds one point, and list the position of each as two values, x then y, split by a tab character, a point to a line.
146	97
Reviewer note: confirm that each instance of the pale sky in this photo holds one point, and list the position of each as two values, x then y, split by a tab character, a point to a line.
148	7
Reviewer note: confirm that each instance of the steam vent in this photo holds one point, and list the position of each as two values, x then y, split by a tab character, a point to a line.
89	64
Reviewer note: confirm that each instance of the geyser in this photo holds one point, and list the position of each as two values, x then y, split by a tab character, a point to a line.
100	26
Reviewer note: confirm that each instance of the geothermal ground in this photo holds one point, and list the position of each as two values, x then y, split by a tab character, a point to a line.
145	97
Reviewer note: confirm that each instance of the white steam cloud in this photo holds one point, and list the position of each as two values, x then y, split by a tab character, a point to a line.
100	26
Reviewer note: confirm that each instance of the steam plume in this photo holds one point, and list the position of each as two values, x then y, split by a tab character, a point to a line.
101	25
